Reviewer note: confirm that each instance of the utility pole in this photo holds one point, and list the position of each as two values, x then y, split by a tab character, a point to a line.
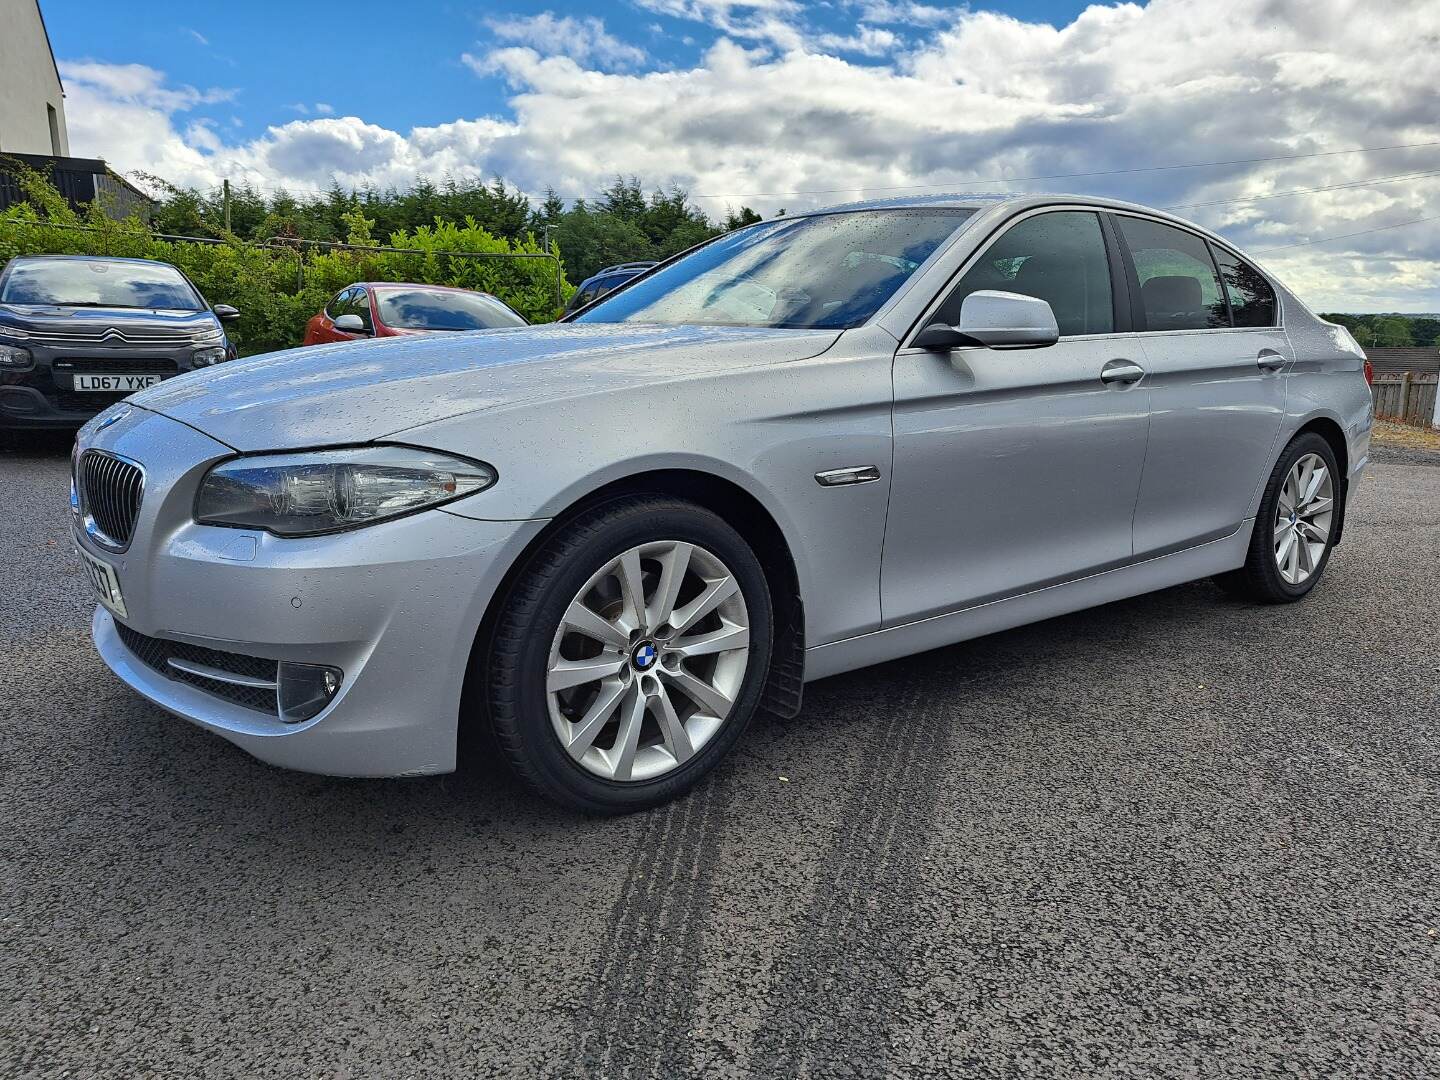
226	189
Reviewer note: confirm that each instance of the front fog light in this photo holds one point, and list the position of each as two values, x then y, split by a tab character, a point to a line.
305	689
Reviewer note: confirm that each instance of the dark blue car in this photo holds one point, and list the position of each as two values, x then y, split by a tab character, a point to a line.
79	333
597	285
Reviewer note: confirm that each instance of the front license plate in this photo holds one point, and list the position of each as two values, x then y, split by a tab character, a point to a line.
101	576
115	383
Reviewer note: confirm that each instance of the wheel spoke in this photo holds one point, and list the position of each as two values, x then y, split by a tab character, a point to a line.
1287	542
632	590
567	673
701	692
632	718
672	576
726	639
716	593
1282	527
1287	500
581	618
1318	475
596	717
1316	506
672	728
1293	563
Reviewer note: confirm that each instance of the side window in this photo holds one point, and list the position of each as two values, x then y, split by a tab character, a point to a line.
1058	257
1252	300
1178	287
360	305
337	305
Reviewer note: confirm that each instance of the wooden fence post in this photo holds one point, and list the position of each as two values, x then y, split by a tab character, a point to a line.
1404	395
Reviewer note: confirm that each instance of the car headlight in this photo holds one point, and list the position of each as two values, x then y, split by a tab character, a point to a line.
14	356
14	333
204	337
320	491
205	357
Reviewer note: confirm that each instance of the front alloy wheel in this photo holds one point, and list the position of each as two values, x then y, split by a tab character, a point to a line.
630	654
648	660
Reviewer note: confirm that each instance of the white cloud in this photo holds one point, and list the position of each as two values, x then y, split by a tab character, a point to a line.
987	96
201	38
324	108
866	41
582	38
771	21
888	13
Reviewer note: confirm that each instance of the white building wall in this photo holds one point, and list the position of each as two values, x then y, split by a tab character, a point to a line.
28	84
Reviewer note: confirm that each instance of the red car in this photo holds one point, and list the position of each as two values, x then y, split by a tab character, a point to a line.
393	309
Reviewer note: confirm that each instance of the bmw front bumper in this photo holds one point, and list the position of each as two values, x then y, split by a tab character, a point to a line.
394	606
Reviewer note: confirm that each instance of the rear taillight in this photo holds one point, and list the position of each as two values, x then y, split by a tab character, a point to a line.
1369	373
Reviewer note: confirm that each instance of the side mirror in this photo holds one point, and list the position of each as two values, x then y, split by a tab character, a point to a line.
226	312
1005	320
938	337
351	324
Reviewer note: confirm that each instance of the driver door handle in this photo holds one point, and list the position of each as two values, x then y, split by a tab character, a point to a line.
1121	371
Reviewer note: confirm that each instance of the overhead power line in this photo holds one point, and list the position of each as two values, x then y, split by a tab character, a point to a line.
1308	191
1347	236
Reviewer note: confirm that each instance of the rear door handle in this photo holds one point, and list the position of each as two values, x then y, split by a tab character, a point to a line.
1121	371
1270	360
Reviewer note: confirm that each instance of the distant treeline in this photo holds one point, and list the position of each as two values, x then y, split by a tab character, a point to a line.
1391	331
624	223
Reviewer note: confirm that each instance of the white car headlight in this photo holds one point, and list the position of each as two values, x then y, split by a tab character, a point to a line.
321	491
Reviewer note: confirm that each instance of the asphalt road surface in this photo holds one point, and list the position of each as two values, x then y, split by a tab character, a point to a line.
1176	836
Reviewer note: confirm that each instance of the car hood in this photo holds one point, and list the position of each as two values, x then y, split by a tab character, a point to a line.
361	391
43	319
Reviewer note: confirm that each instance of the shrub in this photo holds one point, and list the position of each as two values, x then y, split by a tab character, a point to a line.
278	288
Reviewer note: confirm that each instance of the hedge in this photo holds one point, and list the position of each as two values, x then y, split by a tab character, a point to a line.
277	288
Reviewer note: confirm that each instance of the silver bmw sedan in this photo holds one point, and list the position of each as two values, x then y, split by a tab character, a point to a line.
816	443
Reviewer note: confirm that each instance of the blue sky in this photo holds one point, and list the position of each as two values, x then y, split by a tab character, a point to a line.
1323	113
281	55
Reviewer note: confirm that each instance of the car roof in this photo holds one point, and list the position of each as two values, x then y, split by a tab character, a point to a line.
91	259
415	285
1012	201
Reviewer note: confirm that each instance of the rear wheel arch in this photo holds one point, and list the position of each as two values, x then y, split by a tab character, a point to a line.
743	511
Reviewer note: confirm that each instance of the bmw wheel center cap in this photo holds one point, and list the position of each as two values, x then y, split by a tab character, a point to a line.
644	656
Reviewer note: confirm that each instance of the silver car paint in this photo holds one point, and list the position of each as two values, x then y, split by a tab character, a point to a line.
561	410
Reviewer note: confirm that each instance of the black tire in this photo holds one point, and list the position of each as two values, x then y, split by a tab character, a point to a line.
1259	579
533	608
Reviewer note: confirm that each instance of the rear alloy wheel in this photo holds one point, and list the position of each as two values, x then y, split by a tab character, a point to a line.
630	655
1303	514
1295	528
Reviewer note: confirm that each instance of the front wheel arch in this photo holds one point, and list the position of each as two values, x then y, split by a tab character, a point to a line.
745	513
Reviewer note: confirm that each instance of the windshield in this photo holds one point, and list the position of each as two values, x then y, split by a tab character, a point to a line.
831	271
78	283
438	309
